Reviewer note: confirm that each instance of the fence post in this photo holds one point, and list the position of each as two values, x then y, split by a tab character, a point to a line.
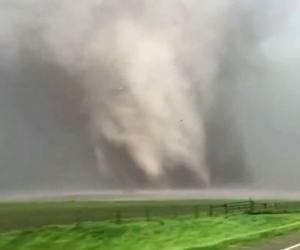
252	206
196	211
210	210
118	217
226	208
175	211
147	215
77	216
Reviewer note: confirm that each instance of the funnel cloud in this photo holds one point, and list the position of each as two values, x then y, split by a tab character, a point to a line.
110	94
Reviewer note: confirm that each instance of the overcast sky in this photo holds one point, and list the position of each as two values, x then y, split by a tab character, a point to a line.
43	142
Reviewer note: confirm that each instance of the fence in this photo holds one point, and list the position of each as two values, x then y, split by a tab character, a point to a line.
200	210
247	206
150	213
20	215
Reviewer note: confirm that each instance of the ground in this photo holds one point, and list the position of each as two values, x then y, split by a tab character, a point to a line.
283	242
186	227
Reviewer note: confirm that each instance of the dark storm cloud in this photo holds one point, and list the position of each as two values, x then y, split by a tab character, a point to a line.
114	94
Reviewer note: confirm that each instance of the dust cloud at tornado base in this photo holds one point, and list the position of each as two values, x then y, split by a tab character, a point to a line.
143	94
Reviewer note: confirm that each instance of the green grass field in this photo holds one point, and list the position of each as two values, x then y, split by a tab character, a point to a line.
171	225
170	234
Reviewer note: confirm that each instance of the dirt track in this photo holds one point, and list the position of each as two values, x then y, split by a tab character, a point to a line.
290	242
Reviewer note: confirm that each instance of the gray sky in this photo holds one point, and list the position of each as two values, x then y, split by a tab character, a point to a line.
269	94
234	62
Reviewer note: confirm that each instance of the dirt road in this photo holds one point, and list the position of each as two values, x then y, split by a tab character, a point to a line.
289	242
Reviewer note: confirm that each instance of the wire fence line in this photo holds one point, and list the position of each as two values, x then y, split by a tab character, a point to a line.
249	206
20	216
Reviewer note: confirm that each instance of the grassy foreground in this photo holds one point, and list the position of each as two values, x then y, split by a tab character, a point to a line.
184	233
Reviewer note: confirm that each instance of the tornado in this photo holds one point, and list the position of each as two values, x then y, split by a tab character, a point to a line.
141	94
